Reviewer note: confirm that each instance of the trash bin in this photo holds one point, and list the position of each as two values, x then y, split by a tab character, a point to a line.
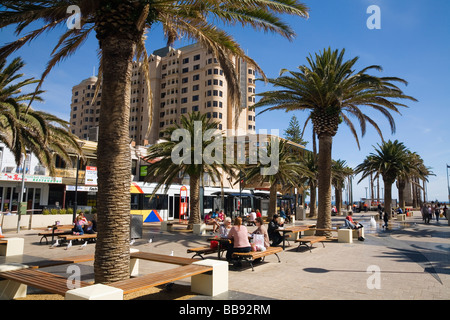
136	226
300	213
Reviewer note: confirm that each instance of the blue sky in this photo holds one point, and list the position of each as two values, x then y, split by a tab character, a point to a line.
413	43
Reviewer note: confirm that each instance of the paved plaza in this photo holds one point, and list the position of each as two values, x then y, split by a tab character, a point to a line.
408	261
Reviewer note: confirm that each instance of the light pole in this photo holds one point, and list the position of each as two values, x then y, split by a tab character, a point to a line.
75	203
19	211
448	185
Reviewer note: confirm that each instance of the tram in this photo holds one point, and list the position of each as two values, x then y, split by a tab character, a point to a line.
174	204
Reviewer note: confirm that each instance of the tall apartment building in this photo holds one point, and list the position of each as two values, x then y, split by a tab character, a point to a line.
182	80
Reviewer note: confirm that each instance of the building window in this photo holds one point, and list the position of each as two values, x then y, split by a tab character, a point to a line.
185	70
195	98
185	60
196	77
196	57
194	108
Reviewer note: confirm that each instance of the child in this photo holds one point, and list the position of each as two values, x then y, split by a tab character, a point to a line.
79	223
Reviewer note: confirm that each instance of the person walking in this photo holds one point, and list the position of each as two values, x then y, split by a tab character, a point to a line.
437	212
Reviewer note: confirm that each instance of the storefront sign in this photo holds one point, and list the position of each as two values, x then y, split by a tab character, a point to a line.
29	178
82	188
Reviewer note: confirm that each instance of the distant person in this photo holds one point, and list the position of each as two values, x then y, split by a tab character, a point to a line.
380	211
239	234
225	228
274	234
386	219
444	211
251	218
261	229
428	215
258	213
91	226
211	221
350	223
437	212
79	225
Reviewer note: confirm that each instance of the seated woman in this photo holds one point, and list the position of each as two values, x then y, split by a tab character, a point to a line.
225	228
79	224
239	234
210	220
261	229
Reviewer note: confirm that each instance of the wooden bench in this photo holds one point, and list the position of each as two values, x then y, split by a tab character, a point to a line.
45	281
59	261
311	240
253	255
162	258
159	278
86	236
201	251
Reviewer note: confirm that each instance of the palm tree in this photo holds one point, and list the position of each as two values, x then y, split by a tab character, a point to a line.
120	27
167	165
340	172
288	172
332	91
415	170
389	160
24	128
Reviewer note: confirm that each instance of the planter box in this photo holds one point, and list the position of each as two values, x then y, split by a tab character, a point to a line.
37	221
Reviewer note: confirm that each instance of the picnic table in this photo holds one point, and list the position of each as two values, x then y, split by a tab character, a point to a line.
291	229
57	229
221	242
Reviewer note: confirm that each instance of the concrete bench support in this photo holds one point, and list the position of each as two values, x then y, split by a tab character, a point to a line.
134	264
11	289
345	235
167	226
214	283
401	217
95	292
13	247
199	229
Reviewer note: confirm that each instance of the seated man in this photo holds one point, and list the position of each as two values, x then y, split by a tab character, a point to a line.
274	235
350	224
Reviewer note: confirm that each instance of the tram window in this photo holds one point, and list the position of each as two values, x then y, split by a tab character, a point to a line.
208	202
134	201
158	202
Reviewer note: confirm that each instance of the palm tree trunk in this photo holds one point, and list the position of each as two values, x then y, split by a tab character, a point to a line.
194	201
272	201
338	197
387	196
324	167
313	200
401	193
112	250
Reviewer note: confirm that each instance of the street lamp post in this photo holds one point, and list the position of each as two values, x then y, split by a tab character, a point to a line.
75	204
22	187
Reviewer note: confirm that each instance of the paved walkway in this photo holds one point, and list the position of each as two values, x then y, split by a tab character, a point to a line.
409	261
